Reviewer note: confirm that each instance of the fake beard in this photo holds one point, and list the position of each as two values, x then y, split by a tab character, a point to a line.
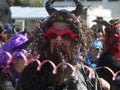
60	49
61	53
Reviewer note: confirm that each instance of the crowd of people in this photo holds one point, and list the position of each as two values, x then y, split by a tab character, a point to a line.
62	54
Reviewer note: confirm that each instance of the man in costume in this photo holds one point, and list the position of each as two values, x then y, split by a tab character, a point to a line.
94	53
62	47
110	59
13	59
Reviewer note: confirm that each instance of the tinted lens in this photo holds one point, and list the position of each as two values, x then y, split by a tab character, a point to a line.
66	36
97	49
52	35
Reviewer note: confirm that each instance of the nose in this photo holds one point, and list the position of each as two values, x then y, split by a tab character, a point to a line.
58	37
59	41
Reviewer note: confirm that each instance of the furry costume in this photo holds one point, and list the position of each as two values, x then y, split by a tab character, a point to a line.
40	75
111	53
13	49
16	43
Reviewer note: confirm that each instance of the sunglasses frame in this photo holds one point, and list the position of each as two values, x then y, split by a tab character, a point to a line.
60	33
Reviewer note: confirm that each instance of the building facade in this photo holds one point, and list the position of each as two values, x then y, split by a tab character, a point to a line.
113	5
105	9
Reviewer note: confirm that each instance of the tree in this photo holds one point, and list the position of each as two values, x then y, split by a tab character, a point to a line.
25	2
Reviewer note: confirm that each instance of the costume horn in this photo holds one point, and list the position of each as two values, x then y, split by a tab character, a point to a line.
79	8
49	7
103	22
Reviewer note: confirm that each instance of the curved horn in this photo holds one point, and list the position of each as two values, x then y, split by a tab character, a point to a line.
79	8
49	7
103	22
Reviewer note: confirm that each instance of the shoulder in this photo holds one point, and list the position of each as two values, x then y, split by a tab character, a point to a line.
29	74
106	56
30	68
105	59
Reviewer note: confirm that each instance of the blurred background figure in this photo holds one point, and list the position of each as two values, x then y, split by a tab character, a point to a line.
5	19
1	36
8	30
5	12
111	53
98	29
94	53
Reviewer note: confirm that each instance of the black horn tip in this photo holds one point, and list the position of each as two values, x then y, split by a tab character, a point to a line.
79	8
49	7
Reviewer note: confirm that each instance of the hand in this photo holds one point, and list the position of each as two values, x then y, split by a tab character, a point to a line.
105	85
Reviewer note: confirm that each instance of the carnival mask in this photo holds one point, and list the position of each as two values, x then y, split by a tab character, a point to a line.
65	34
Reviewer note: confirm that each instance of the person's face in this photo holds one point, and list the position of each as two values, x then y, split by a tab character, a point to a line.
60	36
18	64
95	52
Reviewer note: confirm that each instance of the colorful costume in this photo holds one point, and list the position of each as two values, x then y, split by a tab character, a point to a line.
111	53
60	46
12	49
94	53
13	45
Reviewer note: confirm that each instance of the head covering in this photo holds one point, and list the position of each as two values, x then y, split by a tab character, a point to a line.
12	45
74	22
97	44
112	37
69	17
7	28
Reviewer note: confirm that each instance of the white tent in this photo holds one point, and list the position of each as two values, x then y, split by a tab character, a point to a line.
24	15
32	12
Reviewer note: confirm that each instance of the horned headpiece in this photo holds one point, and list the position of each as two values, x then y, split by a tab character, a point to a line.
77	11
65	49
112	27
112	36
69	17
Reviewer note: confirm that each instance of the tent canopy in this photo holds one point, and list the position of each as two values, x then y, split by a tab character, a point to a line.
32	12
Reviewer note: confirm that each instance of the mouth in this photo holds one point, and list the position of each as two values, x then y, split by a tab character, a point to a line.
59	47
61	54
60	50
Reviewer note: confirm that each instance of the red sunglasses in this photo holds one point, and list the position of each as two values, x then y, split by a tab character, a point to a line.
65	34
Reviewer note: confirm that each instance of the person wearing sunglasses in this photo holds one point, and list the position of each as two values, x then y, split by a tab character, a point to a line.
61	41
110	57
94	53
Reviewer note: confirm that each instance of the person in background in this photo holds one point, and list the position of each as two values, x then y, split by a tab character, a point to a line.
110	58
1	36
7	30
94	53
63	32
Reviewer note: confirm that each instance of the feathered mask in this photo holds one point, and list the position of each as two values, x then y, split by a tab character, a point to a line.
112	37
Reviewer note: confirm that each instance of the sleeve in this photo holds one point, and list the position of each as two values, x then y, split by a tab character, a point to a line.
28	78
